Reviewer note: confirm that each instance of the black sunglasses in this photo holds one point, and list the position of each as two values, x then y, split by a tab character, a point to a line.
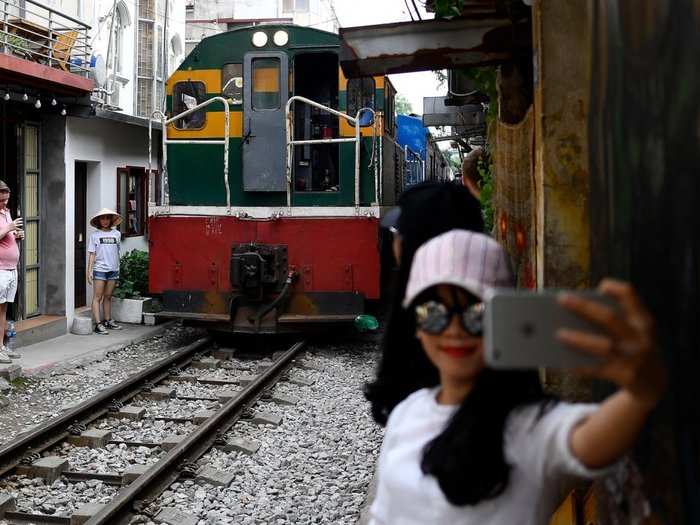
434	317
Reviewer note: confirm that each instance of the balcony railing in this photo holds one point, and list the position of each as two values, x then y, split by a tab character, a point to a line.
40	34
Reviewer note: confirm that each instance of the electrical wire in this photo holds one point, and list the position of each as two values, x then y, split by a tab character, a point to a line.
410	13
416	8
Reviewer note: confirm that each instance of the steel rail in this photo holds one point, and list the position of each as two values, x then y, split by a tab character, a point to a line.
157	478
55	430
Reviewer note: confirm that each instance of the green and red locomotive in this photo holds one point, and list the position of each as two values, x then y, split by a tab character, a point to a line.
277	170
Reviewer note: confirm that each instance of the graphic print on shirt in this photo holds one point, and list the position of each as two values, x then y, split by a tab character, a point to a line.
105	246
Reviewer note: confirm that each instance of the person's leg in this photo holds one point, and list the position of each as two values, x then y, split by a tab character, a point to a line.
98	288
107	298
3	322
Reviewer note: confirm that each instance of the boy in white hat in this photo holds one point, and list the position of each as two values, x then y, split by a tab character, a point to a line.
103	267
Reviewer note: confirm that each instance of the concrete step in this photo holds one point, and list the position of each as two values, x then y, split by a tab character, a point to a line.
41	328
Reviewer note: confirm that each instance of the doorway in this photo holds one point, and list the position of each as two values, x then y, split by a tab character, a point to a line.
80	232
316	166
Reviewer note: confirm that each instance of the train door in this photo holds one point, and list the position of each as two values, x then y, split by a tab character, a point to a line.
266	81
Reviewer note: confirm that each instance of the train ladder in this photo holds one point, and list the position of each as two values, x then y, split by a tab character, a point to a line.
355	121
165	122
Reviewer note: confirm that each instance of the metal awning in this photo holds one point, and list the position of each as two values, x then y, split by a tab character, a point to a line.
432	44
437	113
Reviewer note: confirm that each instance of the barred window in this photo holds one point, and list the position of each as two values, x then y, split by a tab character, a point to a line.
360	94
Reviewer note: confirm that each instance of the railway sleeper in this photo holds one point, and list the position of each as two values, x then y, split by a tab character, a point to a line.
49	468
91	438
173	516
239	444
159	393
206	363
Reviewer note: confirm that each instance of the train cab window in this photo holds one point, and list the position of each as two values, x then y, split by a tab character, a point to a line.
187	95
232	82
266	83
360	95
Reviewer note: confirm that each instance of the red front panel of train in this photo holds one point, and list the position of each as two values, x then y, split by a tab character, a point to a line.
329	254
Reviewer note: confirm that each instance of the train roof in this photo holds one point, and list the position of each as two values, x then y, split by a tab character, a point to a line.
215	50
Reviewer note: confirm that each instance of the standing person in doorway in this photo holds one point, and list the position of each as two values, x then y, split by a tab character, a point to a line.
10	232
103	267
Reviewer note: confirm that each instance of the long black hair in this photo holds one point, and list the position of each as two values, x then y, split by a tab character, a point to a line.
467	458
427	210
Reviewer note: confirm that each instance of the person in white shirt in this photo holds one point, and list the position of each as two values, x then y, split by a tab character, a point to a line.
103	267
471	445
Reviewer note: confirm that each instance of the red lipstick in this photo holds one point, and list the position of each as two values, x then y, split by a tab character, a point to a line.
458	351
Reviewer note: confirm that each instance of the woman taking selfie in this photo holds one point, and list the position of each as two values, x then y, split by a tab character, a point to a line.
473	445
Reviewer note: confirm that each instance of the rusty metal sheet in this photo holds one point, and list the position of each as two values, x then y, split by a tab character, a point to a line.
432	44
437	113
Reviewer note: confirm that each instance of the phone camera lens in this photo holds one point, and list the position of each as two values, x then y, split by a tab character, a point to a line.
528	329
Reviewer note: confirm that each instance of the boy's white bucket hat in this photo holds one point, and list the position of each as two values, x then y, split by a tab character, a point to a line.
463	258
116	218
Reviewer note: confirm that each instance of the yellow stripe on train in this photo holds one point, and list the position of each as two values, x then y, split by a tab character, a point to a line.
343	82
210	77
213	127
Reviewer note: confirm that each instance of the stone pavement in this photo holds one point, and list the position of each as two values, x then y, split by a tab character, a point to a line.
71	348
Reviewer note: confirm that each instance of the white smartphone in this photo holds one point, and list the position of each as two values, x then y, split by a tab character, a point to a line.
520	329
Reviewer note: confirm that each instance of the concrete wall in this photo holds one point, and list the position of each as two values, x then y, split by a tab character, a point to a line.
562	78
53	248
98	18
105	145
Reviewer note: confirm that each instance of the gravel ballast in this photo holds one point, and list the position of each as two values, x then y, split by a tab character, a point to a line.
314	468
35	399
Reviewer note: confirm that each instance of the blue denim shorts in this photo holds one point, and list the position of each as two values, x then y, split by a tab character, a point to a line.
105	276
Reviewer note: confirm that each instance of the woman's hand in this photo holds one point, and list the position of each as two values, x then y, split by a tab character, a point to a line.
628	352
89	277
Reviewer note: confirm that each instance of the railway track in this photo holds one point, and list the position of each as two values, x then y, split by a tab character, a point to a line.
191	400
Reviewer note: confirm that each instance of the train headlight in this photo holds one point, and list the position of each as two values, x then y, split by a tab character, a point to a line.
259	38
281	38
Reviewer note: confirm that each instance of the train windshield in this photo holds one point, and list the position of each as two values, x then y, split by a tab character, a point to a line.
266	83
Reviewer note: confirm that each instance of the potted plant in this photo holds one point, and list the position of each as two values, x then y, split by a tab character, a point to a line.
129	301
16	45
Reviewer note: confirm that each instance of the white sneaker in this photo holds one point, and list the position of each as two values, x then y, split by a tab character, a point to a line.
4	358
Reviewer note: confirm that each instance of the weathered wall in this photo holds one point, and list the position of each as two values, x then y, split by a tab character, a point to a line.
105	145
562	80
53	225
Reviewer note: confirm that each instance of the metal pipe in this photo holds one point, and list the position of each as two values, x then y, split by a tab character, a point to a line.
164	179
109	50
150	140
357	163
291	142
227	122
320	141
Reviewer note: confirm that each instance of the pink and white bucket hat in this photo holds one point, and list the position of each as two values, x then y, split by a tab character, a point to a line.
463	258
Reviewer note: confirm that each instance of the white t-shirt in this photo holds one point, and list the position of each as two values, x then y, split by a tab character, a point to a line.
537	450
105	246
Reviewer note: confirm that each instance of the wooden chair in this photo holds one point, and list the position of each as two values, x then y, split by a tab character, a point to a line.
62	47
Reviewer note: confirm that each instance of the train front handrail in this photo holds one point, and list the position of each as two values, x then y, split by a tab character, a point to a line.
164	135
291	142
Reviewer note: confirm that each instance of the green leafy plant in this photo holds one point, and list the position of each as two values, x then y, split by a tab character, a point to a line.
403	106
15	43
133	275
448	8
